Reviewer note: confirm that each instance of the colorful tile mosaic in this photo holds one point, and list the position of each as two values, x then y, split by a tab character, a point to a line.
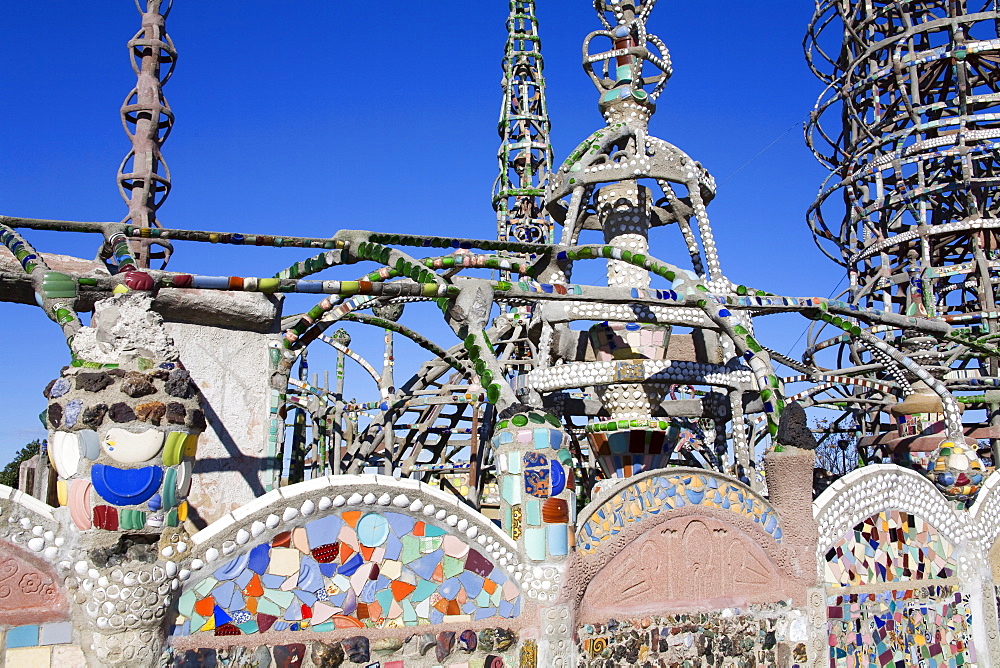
356	569
892	546
536	484
657	493
928	627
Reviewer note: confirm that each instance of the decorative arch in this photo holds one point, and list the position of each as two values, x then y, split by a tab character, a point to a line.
868	491
645	497
891	546
348	552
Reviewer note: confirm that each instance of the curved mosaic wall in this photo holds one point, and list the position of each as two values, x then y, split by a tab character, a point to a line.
658	492
892	546
376	569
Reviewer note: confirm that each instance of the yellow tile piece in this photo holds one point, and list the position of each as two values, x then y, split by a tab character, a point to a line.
190	445
29	657
62	492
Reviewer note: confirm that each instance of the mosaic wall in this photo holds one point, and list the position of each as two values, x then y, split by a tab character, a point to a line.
656	493
756	636
41	646
892	546
352	570
928	627
537	483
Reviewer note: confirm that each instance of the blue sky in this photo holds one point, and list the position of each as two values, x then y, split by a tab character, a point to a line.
309	117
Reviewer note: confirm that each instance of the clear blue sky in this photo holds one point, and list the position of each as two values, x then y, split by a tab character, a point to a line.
308	117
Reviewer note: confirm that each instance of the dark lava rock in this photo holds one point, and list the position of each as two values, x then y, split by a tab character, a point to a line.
196	419
176	413
55	415
93	382
122	412
179	384
94	416
793	428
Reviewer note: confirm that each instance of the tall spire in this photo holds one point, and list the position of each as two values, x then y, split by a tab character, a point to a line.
143	177
525	155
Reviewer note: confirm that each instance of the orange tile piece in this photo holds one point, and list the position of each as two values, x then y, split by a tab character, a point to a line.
453	608
401	590
438	575
366	552
490	586
283	539
418	529
251	604
205	607
362	612
254	587
374	610
344	622
346	551
352	517
442	605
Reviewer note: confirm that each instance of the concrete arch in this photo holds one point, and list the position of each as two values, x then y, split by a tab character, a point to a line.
317	524
870	490
656	493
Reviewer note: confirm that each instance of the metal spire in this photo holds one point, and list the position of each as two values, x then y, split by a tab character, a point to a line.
147	120
525	155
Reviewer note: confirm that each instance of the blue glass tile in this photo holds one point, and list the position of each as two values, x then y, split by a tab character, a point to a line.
324	530
22	636
310	577
351	565
425	565
272	581
484	613
400	524
449	588
259	558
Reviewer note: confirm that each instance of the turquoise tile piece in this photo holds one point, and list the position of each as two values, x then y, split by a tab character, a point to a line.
22	636
533	511
534	543
511	489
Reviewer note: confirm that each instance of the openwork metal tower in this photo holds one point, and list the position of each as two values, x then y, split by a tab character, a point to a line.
908	125
910	208
525	155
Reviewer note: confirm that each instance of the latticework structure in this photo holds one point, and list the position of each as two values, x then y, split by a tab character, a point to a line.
525	155
908	125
